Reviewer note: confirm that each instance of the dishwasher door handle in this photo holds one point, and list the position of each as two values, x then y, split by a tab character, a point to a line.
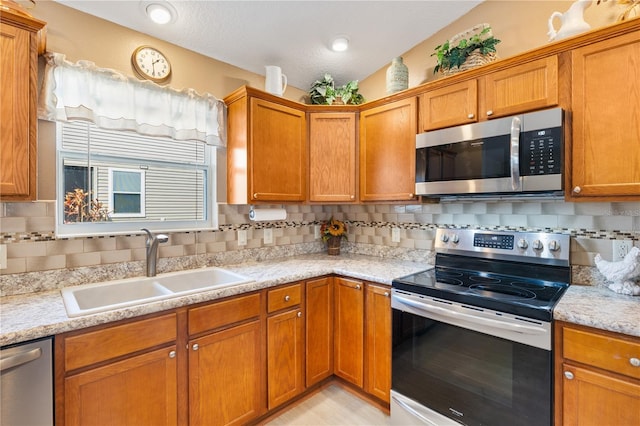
20	359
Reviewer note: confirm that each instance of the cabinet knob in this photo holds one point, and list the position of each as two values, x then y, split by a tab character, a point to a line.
470	116
353	197
357	286
410	195
299	314
568	375
287	298
490	112
577	190
195	347
635	362
386	294
255	195
172	354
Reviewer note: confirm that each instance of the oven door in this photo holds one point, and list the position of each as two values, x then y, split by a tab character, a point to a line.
440	369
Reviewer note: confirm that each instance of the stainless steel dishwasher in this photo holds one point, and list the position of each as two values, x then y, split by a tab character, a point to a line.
26	384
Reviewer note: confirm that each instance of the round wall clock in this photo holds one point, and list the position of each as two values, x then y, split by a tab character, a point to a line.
151	64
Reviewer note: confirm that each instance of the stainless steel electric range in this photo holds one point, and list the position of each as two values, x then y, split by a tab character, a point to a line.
472	337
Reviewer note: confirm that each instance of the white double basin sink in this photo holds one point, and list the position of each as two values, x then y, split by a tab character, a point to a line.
100	297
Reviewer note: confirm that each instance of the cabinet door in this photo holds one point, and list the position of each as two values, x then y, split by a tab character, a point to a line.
378	341
277	152
332	157
349	330
526	87
605	158
18	68
449	106
285	356
141	390
224	376
388	151
319	330
595	399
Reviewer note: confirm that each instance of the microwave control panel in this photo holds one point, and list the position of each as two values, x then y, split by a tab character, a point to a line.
541	152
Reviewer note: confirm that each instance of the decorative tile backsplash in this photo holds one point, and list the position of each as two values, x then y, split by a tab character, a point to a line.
28	231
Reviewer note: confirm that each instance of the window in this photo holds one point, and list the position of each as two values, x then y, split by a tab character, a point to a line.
126	192
114	182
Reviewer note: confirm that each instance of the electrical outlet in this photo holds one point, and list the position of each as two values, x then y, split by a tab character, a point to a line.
3	256
316	232
242	237
268	235
395	235
620	249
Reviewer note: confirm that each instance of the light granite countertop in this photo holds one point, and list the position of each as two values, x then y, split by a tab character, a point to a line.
30	316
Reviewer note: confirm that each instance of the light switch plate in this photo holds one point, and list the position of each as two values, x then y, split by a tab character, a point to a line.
3	256
395	235
268	235
242	237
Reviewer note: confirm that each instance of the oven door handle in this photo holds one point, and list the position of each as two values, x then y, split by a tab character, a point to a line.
516	127
411	410
518	328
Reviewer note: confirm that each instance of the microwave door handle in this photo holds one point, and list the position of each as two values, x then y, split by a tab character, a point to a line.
516	127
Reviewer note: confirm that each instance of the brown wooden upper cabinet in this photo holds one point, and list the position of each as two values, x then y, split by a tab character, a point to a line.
387	151
266	148
332	157
525	87
605	150
18	87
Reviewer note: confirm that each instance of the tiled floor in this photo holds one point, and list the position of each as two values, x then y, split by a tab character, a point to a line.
332	406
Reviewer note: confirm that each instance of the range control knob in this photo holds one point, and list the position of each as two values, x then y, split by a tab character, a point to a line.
455	239
444	238
537	245
523	244
554	245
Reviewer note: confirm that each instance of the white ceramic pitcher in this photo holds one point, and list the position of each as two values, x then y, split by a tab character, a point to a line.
275	82
572	21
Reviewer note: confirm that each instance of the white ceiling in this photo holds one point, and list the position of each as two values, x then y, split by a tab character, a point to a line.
295	35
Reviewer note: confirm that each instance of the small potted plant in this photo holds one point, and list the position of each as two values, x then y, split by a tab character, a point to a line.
466	50
325	92
332	232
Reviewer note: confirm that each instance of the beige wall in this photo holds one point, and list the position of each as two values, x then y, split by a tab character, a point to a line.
520	25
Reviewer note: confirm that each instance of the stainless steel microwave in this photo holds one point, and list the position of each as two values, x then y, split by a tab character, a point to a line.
518	155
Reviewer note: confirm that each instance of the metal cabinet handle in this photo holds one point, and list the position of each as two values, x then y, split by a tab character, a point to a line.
353	197
19	359
470	116
490	112
287	298
635	362
195	347
386	294
299	314
357	286
255	195
172	354
577	190
568	375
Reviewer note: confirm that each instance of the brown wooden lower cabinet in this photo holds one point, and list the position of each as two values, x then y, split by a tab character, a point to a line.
597	383
224	376
349	330
319	330
141	390
378	341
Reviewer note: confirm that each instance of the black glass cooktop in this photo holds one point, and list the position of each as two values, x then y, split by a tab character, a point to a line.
516	288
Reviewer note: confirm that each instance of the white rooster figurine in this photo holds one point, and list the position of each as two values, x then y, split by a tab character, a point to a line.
622	273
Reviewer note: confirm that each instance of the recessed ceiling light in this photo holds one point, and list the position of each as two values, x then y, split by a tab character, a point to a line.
161	12
340	44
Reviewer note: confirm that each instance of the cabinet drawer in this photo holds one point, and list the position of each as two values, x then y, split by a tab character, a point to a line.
602	351
224	313
107	343
284	297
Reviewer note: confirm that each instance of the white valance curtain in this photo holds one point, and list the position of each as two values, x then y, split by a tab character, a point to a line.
111	100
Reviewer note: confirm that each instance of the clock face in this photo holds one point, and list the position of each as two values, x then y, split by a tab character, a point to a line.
149	63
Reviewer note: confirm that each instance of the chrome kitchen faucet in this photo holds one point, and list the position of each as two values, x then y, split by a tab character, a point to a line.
152	250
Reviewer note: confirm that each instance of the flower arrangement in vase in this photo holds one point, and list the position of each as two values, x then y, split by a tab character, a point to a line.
332	232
